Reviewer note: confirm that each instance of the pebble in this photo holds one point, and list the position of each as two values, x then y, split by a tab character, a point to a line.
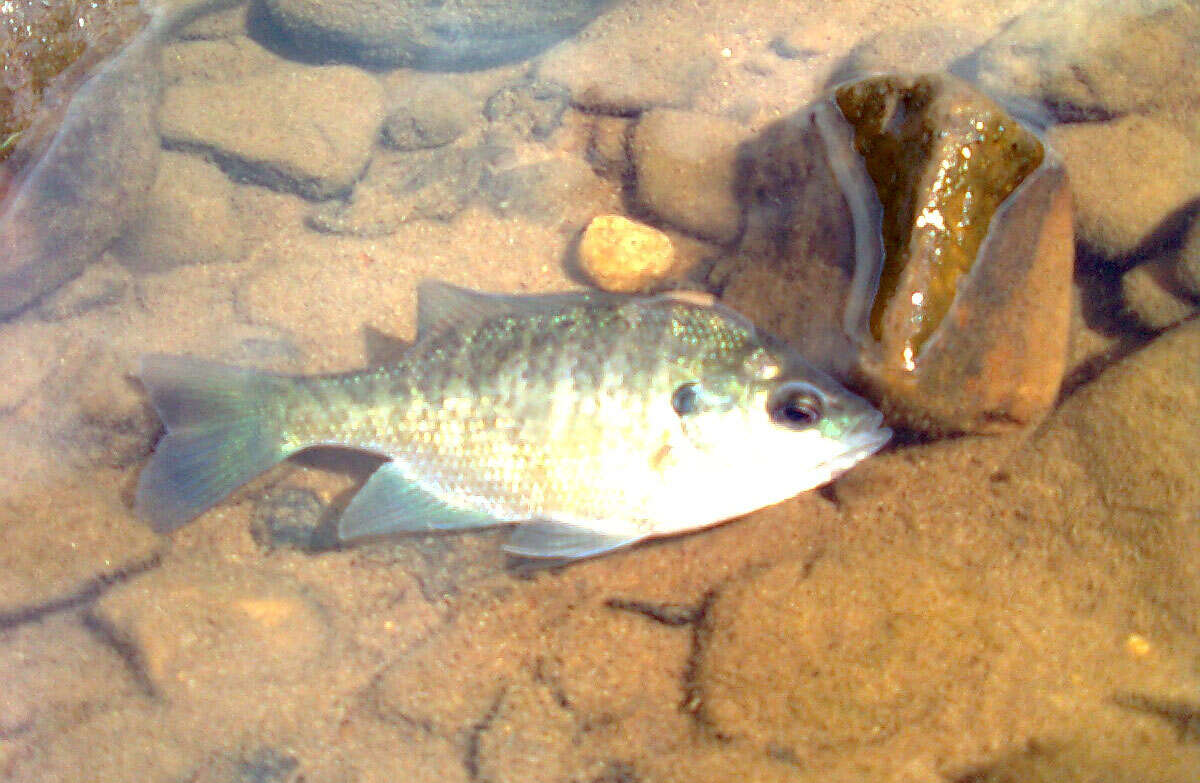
1152	296
973	300
685	166
625	256
189	218
1129	177
287	518
460	35
298	128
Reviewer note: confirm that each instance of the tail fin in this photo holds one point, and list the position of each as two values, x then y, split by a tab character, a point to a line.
224	427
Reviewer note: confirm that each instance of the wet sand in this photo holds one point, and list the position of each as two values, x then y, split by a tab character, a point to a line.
978	608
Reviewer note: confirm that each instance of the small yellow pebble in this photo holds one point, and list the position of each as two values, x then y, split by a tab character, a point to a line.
623	255
1137	645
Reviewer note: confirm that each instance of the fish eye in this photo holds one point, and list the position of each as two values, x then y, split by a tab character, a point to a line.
686	398
797	407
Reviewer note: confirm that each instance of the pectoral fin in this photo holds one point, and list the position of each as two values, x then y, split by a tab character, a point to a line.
391	503
543	538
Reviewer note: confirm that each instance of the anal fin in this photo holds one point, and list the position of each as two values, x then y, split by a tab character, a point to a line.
391	503
565	541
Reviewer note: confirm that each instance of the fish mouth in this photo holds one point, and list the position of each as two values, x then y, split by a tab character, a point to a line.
868	437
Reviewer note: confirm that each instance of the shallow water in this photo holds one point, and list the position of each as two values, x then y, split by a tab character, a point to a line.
1004	607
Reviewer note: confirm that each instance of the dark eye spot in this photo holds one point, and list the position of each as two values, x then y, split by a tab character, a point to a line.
797	407
685	400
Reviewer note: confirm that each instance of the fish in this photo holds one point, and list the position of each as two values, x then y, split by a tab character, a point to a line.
586	421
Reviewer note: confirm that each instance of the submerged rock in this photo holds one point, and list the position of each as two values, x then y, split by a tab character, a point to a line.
622	255
903	208
1097	59
529	110
424	184
425	116
189	218
685	168
461	34
304	129
1132	178
1153	297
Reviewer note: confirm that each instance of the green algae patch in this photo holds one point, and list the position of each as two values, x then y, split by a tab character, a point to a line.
943	159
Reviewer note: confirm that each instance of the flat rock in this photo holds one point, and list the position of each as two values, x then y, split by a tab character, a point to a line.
609	71
1089	60
189	218
462	34
232	630
305	129
1129	177
685	165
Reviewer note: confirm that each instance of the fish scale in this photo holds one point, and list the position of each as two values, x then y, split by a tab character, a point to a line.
591	421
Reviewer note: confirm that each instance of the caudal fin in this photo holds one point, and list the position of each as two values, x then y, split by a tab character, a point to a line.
224	427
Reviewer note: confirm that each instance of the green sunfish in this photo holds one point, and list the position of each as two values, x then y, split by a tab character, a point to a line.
591	421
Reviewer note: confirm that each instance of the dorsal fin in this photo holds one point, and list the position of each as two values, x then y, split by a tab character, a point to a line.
441	306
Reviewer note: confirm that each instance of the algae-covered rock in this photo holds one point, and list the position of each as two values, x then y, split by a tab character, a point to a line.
910	224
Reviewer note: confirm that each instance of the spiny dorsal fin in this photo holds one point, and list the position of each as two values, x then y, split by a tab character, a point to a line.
441	306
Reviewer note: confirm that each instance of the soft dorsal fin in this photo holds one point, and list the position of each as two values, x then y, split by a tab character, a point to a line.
441	306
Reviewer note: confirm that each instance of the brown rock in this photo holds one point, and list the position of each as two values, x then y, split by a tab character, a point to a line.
685	165
622	255
1152	296
189	218
295	128
1129	177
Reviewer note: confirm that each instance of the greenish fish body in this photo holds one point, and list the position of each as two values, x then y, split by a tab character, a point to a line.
590	420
